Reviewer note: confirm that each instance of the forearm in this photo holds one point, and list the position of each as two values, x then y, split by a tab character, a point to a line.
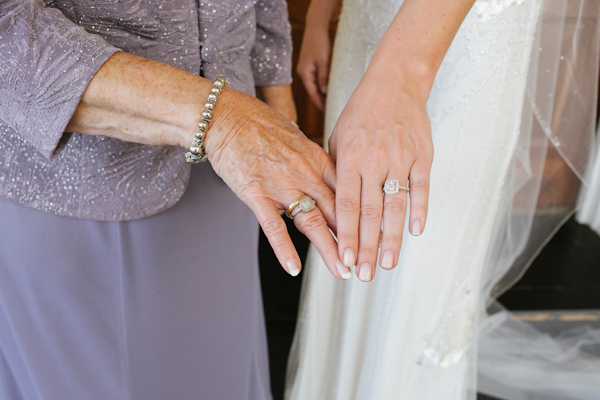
142	101
281	99
320	12
413	47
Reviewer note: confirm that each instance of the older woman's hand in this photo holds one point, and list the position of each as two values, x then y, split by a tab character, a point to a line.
269	163
265	160
382	134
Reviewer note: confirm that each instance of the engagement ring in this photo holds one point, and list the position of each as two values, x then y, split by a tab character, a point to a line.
393	187
301	204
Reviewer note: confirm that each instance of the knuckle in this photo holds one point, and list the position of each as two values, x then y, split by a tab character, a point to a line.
349	238
300	162
273	226
425	151
370	213
419	184
311	222
395	206
368	251
347	205
393	239
252	192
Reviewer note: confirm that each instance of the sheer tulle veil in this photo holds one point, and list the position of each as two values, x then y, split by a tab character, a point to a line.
556	144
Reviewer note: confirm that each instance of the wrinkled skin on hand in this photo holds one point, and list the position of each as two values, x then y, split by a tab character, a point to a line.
269	163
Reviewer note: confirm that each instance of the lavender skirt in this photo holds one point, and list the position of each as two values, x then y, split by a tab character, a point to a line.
168	307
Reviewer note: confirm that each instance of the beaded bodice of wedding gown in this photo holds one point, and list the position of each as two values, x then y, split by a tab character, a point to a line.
409	333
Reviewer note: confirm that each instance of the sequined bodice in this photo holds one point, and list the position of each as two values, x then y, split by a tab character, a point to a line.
47	59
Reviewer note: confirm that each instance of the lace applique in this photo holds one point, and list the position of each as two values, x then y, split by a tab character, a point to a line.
486	9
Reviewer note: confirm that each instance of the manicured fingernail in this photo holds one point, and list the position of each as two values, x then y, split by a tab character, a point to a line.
349	260
343	270
292	268
387	261
416	229
365	272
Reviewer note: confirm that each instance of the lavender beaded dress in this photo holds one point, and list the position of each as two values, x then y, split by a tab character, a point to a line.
123	273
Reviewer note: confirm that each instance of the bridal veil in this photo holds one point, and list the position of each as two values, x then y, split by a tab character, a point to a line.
553	159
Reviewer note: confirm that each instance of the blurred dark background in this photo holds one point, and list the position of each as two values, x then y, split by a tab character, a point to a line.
565	276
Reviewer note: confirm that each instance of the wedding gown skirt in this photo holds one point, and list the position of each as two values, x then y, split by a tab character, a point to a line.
408	333
589	198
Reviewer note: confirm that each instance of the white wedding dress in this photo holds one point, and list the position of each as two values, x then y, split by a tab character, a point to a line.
411	332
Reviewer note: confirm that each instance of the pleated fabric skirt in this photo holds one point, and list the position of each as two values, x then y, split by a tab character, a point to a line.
167	307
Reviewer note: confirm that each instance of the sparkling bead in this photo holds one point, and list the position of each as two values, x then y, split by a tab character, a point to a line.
218	83
195	150
206	115
197	142
212	97
223	80
210	105
199	135
216	90
203	125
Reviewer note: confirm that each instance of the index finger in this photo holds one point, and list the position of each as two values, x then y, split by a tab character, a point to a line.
279	238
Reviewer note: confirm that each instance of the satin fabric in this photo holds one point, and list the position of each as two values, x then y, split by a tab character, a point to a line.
166	307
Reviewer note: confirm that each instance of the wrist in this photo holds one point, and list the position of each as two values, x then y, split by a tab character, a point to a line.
204	122
317	19
226	117
408	74
190	100
281	99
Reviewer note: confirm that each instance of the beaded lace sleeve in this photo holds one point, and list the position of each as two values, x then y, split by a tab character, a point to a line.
272	51
46	62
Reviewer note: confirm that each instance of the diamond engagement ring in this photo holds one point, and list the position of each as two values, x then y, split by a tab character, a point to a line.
393	187
301	204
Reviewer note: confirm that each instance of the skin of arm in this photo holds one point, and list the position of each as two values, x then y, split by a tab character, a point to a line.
281	99
384	132
260	155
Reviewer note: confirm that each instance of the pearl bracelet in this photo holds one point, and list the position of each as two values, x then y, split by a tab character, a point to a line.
197	153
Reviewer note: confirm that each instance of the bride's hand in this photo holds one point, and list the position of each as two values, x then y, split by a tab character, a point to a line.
269	163
382	134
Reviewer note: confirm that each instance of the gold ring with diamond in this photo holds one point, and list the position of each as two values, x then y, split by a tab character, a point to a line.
301	204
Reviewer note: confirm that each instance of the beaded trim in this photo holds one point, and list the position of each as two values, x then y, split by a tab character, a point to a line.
197	153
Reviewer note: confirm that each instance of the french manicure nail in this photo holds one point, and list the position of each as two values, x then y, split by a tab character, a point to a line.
343	270
416	228
292	268
349	258
365	272
387	261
